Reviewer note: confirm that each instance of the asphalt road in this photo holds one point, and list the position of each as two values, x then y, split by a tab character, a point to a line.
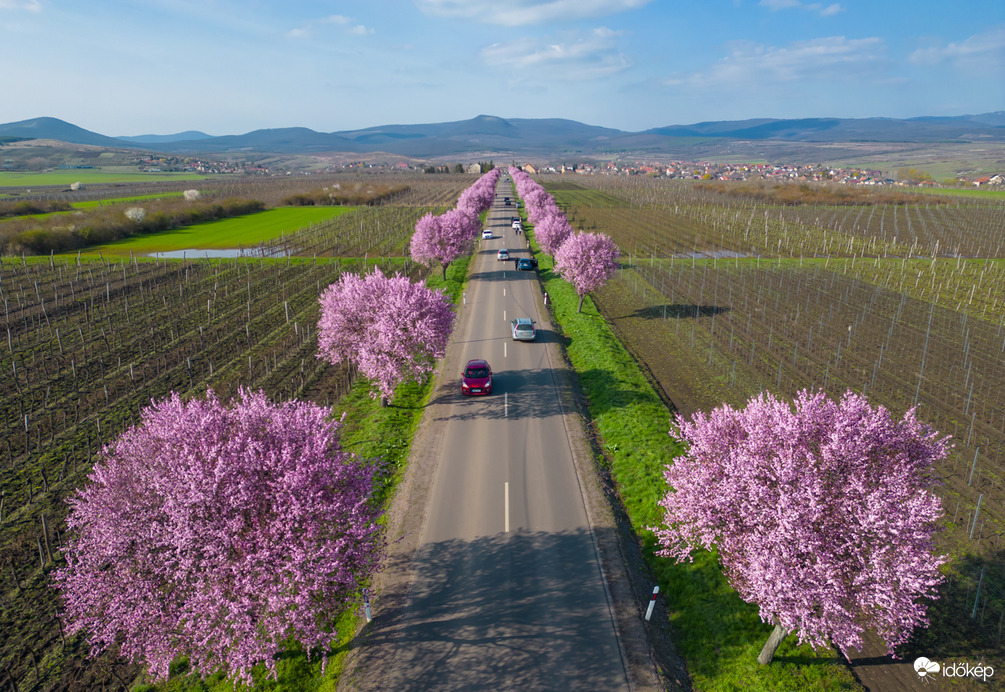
507	591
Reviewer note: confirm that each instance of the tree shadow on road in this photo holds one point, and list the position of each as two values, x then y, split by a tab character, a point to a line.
511	611
516	394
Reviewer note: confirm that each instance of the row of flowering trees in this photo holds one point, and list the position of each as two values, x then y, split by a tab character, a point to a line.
586	260
442	239
821	512
221	531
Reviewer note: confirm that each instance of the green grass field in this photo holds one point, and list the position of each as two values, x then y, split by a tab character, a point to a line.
240	231
976	193
95	203
89	176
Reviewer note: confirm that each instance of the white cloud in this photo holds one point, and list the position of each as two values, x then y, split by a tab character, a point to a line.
573	57
825	11
751	65
526	12
30	5
308	29
984	49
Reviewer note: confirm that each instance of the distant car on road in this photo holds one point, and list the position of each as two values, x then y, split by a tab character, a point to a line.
476	378
523	329
506	201
502	254
527	264
516	224
487	233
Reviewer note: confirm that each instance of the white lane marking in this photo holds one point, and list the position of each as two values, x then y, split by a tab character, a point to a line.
506	504
504	315
504	291
506	404
504	349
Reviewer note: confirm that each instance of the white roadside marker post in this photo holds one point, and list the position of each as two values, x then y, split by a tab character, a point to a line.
652	603
366	605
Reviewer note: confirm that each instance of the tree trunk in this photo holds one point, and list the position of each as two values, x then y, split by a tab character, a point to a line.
383	402
444	268
580	309
770	646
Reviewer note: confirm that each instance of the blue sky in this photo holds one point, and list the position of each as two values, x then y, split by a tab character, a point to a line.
129	67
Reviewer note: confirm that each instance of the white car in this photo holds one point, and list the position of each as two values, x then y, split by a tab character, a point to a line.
523	329
502	254
487	234
516	224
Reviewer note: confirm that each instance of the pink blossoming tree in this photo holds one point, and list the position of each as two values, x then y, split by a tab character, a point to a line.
551	231
217	532
441	239
821	513
587	261
391	329
462	223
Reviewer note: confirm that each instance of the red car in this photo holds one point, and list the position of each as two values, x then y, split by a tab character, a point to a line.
476	378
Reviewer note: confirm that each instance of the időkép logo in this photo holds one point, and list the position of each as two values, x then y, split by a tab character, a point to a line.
926	668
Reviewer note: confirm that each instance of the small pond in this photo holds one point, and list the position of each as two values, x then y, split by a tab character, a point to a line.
200	253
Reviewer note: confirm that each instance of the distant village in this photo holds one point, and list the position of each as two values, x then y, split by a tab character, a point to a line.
680	170
159	164
689	170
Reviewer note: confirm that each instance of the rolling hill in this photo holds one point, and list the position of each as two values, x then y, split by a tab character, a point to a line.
486	133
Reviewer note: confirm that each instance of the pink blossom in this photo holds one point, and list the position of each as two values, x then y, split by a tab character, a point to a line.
216	532
391	329
436	241
551	231
478	198
822	515
587	261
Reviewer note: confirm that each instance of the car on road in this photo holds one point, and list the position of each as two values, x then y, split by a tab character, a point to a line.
527	264
506	201
516	224
503	254
523	329
487	233
476	378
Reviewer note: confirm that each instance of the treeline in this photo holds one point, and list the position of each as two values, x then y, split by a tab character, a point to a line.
25	207
107	224
791	194
357	195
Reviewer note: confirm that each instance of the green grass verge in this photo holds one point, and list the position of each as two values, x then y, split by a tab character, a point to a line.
243	231
373	432
719	635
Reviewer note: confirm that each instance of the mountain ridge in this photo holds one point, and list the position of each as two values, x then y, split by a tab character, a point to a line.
528	135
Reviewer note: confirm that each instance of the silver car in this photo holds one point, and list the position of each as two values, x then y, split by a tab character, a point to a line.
523	329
